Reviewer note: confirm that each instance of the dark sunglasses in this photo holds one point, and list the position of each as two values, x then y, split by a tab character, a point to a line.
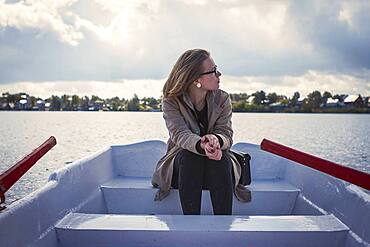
215	71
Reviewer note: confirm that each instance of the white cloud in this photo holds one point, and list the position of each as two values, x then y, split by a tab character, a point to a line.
117	6
104	89
349	10
43	16
250	26
106	40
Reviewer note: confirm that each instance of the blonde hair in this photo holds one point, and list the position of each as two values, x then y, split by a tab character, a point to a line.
186	70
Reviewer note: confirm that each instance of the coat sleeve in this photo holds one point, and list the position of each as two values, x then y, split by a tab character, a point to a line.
223	125
179	132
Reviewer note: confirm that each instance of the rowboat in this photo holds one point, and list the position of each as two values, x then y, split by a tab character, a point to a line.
107	200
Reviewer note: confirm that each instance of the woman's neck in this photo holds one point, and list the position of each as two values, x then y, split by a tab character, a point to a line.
197	96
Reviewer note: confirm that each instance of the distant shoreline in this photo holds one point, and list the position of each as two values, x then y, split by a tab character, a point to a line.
258	102
297	112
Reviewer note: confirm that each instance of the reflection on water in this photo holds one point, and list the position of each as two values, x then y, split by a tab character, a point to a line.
342	138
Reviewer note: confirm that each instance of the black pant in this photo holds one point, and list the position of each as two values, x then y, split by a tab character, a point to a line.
193	172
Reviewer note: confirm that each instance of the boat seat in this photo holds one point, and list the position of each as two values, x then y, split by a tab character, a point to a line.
135	195
92	230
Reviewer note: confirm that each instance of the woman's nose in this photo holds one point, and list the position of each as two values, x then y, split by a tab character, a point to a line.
218	73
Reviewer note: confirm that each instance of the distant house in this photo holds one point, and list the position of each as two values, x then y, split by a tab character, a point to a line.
3	103
24	103
5	95
4	106
354	101
249	100
96	105
7	106
40	105
278	106
106	107
332	103
47	106
367	102
121	108
300	102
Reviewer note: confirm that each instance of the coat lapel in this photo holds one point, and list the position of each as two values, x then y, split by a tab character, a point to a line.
187	100
214	110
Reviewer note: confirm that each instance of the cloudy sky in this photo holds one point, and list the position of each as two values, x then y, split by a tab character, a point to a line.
118	48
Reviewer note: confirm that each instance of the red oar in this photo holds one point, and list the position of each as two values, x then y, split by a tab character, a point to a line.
13	174
345	173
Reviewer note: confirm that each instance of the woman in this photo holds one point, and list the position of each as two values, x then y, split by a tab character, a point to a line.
198	117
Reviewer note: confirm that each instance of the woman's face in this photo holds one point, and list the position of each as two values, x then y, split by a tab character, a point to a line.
210	78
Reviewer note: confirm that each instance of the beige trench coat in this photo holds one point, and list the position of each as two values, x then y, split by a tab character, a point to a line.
185	133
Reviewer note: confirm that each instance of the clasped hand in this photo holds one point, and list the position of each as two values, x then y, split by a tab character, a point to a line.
211	147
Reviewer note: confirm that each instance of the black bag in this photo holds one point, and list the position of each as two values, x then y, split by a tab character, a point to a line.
244	161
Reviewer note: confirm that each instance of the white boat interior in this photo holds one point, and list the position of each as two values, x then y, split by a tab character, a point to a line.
108	200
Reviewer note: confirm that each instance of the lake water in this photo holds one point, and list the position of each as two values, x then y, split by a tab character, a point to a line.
342	138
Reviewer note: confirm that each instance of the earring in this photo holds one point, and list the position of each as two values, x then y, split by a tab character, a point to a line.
199	85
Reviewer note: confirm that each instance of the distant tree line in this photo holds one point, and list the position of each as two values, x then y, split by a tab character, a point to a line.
23	101
258	101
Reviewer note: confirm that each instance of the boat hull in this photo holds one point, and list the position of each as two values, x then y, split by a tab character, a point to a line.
116	181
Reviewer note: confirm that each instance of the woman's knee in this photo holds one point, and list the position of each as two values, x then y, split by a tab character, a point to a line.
188	164
220	170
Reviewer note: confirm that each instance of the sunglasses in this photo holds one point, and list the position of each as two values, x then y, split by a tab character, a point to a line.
215	71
